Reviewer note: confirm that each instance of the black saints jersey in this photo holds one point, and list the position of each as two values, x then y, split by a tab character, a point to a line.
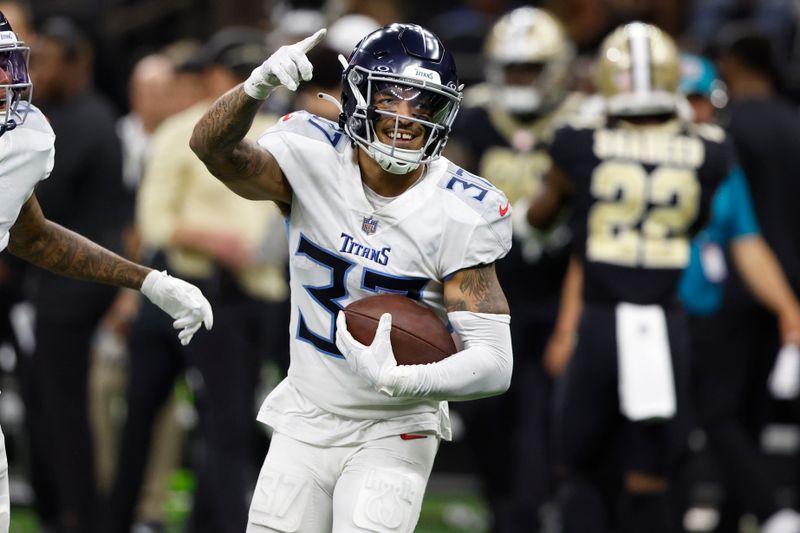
510	153
640	193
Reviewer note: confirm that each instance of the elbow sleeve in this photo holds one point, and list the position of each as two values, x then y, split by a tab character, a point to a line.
482	368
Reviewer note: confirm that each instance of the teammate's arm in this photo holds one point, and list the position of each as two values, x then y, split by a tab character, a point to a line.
478	312
57	249
218	138
545	206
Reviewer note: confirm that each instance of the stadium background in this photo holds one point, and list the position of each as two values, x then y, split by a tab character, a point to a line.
123	31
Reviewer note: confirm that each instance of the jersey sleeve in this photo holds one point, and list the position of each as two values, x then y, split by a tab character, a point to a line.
744	221
479	226
301	142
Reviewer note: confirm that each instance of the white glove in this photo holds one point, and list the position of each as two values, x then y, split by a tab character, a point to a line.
784	381
287	66
182	301
375	362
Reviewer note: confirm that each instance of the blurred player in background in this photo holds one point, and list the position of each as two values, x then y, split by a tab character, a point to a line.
501	134
639	179
27	157
372	207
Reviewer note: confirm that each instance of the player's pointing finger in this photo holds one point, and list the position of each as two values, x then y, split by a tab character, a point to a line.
310	42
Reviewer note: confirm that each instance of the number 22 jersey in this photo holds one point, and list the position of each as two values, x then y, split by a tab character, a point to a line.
640	193
342	249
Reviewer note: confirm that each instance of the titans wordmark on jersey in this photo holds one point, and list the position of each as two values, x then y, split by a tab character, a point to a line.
27	155
640	194
343	249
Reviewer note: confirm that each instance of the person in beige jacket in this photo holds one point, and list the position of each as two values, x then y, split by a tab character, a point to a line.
236	251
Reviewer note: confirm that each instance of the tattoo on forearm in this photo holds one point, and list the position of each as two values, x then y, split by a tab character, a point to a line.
69	254
217	136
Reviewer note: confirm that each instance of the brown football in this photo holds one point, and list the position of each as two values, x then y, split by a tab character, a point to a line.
418	336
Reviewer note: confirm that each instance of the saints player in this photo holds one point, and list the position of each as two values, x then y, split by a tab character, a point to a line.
372	208
639	179
501	133
27	156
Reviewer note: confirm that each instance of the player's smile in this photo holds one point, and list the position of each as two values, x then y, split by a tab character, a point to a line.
410	137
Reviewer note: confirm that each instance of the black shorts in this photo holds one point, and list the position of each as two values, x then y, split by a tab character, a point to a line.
590	429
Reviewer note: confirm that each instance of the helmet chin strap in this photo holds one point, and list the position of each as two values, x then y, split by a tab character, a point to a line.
392	164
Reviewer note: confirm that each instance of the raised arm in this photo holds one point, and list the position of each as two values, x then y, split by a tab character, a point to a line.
218	138
243	166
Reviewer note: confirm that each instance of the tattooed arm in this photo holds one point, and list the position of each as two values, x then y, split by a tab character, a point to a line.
243	166
475	289
57	249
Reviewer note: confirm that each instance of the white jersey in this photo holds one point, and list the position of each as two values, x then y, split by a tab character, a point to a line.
27	154
342	249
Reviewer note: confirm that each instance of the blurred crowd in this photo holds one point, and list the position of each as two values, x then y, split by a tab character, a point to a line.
101	404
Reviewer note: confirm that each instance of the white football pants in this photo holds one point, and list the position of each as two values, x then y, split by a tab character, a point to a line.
375	486
5	500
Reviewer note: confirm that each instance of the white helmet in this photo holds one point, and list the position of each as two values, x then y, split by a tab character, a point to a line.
531	38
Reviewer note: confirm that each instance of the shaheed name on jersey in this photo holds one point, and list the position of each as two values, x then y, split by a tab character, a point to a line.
640	193
343	249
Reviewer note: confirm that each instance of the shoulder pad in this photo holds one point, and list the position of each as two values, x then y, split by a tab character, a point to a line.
311	126
479	194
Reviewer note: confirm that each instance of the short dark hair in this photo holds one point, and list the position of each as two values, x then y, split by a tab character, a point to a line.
752	49
68	35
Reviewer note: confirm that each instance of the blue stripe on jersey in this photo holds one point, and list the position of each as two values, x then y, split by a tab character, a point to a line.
333	139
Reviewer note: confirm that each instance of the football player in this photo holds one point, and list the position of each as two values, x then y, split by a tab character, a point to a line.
639	178
372	208
27	156
501	134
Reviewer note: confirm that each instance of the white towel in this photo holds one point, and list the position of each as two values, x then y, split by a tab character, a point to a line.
784	381
646	381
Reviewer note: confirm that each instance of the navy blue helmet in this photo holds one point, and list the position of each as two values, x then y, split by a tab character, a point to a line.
409	63
15	83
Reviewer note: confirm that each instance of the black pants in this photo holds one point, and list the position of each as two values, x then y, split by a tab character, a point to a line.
227	360
595	443
732	355
56	394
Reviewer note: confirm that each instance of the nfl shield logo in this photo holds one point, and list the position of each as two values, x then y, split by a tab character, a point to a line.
369	225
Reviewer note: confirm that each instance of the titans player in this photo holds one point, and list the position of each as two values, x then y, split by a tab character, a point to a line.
639	180
372	208
27	156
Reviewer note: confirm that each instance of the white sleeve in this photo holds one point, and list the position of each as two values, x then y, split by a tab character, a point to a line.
479	225
305	146
481	369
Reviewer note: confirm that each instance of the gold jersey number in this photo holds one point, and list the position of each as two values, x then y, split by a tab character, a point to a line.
641	219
